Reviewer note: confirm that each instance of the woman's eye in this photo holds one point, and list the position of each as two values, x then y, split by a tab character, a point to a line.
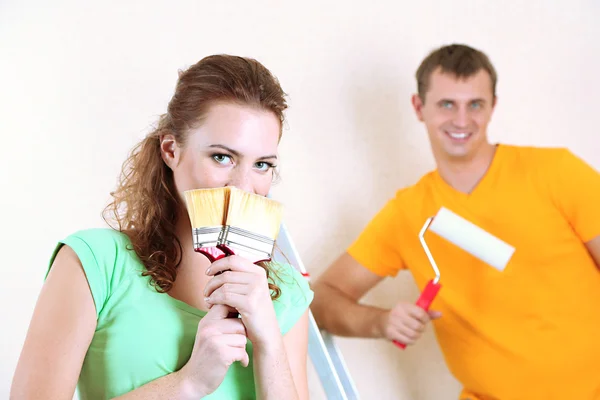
222	158
264	166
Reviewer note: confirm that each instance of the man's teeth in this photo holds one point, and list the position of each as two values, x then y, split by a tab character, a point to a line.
458	135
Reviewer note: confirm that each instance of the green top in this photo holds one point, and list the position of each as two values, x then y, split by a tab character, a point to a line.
141	334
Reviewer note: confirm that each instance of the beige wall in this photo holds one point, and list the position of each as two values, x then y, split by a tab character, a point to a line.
83	83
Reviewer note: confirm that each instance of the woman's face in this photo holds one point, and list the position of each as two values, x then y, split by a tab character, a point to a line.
235	145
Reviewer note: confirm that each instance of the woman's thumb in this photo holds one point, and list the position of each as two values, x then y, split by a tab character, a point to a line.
434	314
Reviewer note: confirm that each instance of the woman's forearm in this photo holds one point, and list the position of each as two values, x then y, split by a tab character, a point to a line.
171	386
272	373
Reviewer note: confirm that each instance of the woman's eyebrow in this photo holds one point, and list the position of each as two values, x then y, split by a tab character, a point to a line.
268	157
221	146
238	154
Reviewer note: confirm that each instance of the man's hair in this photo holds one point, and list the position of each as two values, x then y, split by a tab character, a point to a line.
457	59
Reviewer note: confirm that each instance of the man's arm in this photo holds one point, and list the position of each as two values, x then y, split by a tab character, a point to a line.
593	247
337	292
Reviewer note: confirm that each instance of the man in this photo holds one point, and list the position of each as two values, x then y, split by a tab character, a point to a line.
530	331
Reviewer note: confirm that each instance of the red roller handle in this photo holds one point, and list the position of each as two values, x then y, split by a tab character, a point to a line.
424	301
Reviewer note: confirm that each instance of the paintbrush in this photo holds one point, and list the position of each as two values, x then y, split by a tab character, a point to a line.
252	224
207	211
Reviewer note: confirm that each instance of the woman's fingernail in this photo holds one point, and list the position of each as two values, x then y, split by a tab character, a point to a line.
207	299
208	271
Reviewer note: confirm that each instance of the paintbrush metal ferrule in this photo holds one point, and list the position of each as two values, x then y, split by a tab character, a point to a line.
206	236
242	241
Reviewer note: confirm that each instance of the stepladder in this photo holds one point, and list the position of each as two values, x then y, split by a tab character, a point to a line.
323	352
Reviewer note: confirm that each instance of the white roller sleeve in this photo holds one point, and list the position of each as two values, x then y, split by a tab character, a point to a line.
472	239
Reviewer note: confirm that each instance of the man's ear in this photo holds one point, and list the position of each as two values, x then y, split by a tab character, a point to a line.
170	150
417	103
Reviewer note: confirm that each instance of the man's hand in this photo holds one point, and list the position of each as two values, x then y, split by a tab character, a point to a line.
406	322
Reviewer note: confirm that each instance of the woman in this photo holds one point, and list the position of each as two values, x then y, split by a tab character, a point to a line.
133	312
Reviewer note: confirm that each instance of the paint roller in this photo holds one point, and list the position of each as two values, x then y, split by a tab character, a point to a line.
467	236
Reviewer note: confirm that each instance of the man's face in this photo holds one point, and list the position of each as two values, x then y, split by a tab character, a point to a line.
456	112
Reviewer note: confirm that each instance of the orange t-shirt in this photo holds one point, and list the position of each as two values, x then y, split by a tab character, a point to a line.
531	331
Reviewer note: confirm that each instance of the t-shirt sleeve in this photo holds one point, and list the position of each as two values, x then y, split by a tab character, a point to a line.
296	296
97	251
377	246
575	188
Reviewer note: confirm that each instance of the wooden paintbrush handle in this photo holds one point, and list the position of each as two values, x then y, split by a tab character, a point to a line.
424	301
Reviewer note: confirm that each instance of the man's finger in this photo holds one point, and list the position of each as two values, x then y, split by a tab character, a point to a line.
414	324
402	338
418	313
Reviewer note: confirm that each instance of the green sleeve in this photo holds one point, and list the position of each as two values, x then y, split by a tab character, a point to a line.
296	296
98	251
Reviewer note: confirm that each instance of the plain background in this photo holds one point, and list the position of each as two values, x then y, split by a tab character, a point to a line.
81	83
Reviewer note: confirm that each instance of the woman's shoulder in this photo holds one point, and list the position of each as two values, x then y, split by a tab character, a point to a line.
99	237
106	258
101	243
105	248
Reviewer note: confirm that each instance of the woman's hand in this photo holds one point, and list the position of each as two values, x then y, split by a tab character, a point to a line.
220	341
242	285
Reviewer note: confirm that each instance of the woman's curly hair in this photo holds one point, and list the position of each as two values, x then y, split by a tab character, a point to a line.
145	202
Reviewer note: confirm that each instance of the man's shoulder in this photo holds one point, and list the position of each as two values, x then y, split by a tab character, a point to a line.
534	155
417	191
537	164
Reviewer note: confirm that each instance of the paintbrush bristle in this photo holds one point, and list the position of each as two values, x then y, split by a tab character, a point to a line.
254	213
206	207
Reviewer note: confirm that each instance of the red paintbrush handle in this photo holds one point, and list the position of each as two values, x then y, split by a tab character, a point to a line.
424	301
212	253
